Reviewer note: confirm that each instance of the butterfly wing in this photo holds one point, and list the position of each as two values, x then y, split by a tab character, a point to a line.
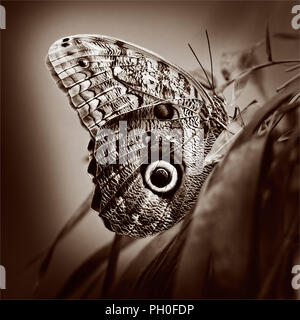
135	105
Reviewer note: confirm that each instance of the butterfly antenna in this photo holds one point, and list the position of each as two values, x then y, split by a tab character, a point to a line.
211	63
201	66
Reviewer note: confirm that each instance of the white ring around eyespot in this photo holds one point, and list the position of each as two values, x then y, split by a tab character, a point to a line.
167	166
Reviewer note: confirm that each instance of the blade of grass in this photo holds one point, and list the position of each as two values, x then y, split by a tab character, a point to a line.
88	268
268	44
79	214
157	279
262	114
286	36
280	204
112	266
129	279
287	83
219	239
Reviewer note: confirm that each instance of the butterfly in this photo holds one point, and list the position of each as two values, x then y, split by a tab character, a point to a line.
151	126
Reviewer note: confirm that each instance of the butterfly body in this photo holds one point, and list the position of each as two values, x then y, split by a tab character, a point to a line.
135	106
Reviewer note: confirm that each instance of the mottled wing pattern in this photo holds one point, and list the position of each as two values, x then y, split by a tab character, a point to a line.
110	82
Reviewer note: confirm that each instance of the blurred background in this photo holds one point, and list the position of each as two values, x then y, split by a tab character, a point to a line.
44	155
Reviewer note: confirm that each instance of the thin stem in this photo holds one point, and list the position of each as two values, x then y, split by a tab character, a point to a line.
211	62
295	98
268	44
260	66
79	214
112	266
293	68
200	66
288	82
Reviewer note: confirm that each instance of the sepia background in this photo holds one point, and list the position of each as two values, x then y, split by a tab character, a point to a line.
43	146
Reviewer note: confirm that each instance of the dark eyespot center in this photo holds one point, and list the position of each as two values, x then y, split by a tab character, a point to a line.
66	39
65	44
164	111
160	177
83	63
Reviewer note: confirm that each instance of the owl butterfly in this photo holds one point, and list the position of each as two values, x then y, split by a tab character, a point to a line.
151	125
